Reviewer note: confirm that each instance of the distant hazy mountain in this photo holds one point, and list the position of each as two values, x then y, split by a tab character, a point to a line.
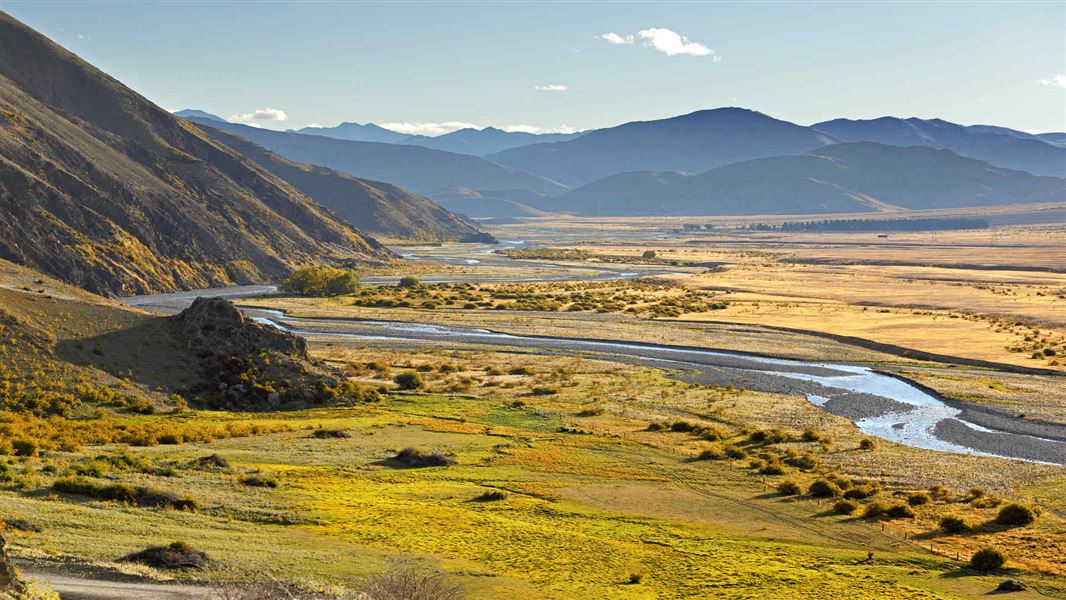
1014	150
694	142
482	142
186	113
421	170
356	132
478	204
105	190
377	208
1056	138
848	177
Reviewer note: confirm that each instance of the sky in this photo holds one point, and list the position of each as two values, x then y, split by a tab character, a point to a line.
431	67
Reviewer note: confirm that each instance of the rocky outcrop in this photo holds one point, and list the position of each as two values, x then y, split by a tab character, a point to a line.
214	327
10	584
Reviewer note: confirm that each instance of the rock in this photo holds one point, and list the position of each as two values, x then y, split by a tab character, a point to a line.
9	578
1010	585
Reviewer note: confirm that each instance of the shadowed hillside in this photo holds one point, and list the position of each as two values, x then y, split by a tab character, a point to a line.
377	208
108	191
852	177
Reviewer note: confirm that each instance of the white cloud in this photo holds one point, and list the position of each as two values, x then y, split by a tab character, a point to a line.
430	129
672	43
259	115
1058	81
535	129
550	88
314	125
614	38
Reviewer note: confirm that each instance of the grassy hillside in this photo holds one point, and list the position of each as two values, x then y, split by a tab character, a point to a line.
106	190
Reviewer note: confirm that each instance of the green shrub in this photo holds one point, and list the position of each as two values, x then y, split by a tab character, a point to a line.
409	281
867	444
918	499
263	481
860	492
711	454
769	436
789	488
1015	514
954	524
845	507
805	461
24	447
492	496
177	555
416	458
320	281
987	559
874	510
122	492
635	578
899	511
811	435
409	380
823	488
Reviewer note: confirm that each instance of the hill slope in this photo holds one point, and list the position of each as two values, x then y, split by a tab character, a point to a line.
851	177
999	146
693	143
379	209
482	142
421	170
104	189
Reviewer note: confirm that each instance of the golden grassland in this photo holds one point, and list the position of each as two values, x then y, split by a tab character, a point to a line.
591	496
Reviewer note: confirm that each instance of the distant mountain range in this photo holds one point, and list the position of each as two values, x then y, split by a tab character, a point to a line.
103	189
191	112
998	145
356	132
840	178
421	170
692	143
479	142
380	209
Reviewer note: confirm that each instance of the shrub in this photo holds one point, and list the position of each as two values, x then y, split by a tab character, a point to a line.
408	581
1015	514
860	492
24	447
789	488
772	468
867	444
823	488
845	507
987	559
805	462
415	458
122	492
545	390
493	496
635	578
177	555
899	511
321	281
409	281
521	371
918	499
409	380
324	434
259	481
711	454
769	436
954	524
874	510
976	493
735	452
811	435
21	525
212	461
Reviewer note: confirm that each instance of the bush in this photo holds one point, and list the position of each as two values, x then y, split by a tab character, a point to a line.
1015	514
321	281
823	488
21	525
409	380
899	511
771	468
867	444
987	559
415	458
122	492
918	499
811	435
769	436
845	507
408	581
954	524
545	390
789	488
874	510
325	434
212	461
711	454
493	496
177	555
805	462
24	447
635	578
860	492
409	281
259	481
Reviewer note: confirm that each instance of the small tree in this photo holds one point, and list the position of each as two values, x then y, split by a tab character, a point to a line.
648	254
409	281
954	524
321	280
409	380
1015	514
987	559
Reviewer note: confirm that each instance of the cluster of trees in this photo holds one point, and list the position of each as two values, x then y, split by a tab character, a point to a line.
929	224
321	280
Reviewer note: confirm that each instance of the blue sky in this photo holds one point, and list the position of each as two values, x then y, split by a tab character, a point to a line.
482	63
